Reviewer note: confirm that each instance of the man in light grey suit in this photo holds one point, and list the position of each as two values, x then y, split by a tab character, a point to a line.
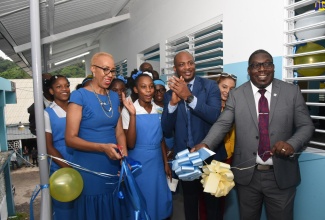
272	180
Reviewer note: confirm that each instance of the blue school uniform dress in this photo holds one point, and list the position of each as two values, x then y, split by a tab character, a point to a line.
55	122
98	199
151	179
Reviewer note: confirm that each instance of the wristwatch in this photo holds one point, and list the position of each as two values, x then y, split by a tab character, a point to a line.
189	99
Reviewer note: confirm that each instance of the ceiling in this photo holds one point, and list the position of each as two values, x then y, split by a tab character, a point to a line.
68	28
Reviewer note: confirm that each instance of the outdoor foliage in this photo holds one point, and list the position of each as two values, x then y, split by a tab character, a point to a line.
74	71
10	70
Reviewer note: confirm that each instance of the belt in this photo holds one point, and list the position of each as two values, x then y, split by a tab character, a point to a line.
264	167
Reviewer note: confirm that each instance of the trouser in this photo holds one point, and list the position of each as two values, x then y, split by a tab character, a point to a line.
35	162
191	192
263	189
13	164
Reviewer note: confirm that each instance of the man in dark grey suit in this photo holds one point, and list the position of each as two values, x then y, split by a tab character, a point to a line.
272	180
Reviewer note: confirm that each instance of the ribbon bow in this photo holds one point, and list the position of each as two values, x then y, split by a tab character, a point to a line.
186	165
120	77
140	72
217	178
137	74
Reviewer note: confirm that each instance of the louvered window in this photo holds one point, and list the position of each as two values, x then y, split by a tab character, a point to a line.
304	60
152	53
204	42
152	56
122	67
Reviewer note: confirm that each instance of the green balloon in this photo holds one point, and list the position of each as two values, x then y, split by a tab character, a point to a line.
310	59
66	184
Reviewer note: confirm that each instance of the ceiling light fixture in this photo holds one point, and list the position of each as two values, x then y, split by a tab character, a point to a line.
71	58
21	127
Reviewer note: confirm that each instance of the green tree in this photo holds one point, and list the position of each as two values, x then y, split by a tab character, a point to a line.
15	73
73	71
10	70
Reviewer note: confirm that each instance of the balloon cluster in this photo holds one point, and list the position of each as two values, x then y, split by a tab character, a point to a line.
308	59
66	184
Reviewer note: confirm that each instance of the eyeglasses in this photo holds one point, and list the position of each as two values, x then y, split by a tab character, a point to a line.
257	66
161	91
107	70
228	75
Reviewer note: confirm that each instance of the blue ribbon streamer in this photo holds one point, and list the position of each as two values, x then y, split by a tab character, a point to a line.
130	190
33	197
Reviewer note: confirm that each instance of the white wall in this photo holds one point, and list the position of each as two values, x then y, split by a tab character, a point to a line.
248	25
252	25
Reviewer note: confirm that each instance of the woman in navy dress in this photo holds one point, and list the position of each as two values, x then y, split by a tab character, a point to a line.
94	128
55	122
141	122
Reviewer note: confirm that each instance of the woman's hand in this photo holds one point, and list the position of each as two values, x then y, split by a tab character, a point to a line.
168	171
128	104
112	151
170	154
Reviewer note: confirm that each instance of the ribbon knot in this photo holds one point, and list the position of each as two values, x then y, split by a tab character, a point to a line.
217	178
186	165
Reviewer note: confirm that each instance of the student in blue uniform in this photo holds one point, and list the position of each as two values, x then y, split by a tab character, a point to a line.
118	85
94	128
141	123
55	121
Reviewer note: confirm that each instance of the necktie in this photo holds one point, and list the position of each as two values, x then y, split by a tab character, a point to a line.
190	141
263	126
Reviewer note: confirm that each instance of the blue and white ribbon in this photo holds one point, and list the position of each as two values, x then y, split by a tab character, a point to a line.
130	190
187	165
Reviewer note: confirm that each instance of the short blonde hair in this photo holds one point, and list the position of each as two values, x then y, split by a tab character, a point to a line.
99	54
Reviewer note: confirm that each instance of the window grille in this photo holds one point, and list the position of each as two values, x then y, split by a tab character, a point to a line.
304	59
122	67
152	53
204	42
152	56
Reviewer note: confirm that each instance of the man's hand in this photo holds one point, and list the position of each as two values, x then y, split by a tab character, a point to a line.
174	100
282	148
198	147
179	87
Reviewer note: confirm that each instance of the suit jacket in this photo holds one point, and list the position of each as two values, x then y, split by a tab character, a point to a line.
289	121
203	116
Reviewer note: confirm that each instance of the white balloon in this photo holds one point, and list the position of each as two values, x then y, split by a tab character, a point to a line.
313	19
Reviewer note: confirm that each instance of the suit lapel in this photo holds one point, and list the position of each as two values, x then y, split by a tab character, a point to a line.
197	86
249	96
274	97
